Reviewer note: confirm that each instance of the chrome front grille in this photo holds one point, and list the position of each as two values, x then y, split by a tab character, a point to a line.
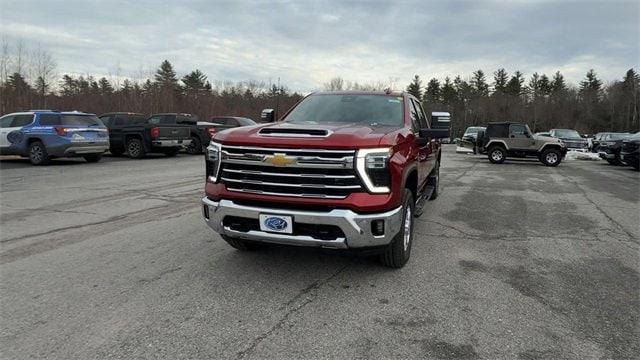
289	172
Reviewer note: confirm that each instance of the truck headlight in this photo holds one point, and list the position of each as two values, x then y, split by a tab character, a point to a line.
373	168
213	157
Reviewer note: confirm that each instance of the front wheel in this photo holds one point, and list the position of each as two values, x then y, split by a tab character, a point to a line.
497	154
38	154
399	250
551	157
92	158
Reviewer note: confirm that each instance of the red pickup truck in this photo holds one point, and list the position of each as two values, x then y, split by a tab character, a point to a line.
342	170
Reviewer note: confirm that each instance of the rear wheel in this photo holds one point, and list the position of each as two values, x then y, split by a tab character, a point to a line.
497	154
242	245
92	157
399	250
38	153
135	148
551	157
195	147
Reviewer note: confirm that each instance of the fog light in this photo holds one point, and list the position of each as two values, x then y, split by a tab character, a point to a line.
377	227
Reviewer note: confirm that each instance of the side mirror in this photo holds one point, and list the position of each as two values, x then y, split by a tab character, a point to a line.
268	116
434	133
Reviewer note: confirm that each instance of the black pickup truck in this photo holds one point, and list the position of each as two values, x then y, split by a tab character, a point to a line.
200	132
134	134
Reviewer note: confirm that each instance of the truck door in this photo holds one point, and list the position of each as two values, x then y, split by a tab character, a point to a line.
423	151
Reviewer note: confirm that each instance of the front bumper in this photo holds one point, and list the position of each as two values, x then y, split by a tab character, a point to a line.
355	227
170	143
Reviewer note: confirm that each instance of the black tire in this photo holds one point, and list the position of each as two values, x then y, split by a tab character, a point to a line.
434	179
135	148
551	157
195	147
614	162
172	152
38	154
116	151
92	157
242	245
398	251
636	166
497	154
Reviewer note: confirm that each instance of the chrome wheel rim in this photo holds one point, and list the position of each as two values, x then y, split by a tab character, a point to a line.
407	229
134	148
496	155
552	158
36	153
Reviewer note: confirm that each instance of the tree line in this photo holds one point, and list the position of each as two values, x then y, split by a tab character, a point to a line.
29	80
544	102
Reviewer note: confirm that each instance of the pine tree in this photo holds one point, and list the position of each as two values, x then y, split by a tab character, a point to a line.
448	92
166	76
500	79
104	87
544	85
479	83
415	88
195	84
432	94
558	85
591	85
514	86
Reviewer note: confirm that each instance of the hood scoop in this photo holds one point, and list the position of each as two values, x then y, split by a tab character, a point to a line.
293	132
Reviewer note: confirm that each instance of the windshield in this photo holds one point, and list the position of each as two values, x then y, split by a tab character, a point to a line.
348	109
86	120
473	130
567	134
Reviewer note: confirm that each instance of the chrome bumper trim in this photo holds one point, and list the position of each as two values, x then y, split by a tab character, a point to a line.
356	227
170	143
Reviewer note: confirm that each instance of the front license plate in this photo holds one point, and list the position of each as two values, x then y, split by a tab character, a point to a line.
276	223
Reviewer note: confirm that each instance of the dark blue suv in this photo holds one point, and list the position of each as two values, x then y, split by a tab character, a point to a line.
44	134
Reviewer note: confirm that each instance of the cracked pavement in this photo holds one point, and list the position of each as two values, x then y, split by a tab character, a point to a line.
113	260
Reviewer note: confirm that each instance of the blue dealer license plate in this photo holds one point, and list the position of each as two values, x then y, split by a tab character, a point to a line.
276	223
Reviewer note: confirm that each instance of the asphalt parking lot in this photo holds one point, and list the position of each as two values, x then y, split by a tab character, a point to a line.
113	260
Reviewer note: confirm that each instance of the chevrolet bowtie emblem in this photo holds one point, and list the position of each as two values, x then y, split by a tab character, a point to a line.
279	160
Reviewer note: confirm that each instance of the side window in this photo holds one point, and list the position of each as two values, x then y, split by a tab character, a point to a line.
6	121
106	120
155	120
415	117
22	120
186	120
518	131
49	119
231	122
221	121
424	123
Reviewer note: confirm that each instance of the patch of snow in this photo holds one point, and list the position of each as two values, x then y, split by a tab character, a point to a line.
460	149
578	155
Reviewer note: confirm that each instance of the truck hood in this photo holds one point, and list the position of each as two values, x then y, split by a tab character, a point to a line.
326	136
546	138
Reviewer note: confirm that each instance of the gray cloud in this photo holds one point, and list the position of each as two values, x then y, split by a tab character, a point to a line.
305	43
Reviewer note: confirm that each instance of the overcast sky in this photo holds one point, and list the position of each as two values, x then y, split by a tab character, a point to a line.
306	43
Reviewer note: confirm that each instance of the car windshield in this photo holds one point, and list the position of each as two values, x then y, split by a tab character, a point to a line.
372	110
473	130
567	134
86	120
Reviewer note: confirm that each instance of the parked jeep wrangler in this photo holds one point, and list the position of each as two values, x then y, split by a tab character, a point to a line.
502	139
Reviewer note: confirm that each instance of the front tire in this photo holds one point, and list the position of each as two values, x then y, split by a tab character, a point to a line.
497	154
242	245
551	157
398	252
195	147
91	158
38	154
135	148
